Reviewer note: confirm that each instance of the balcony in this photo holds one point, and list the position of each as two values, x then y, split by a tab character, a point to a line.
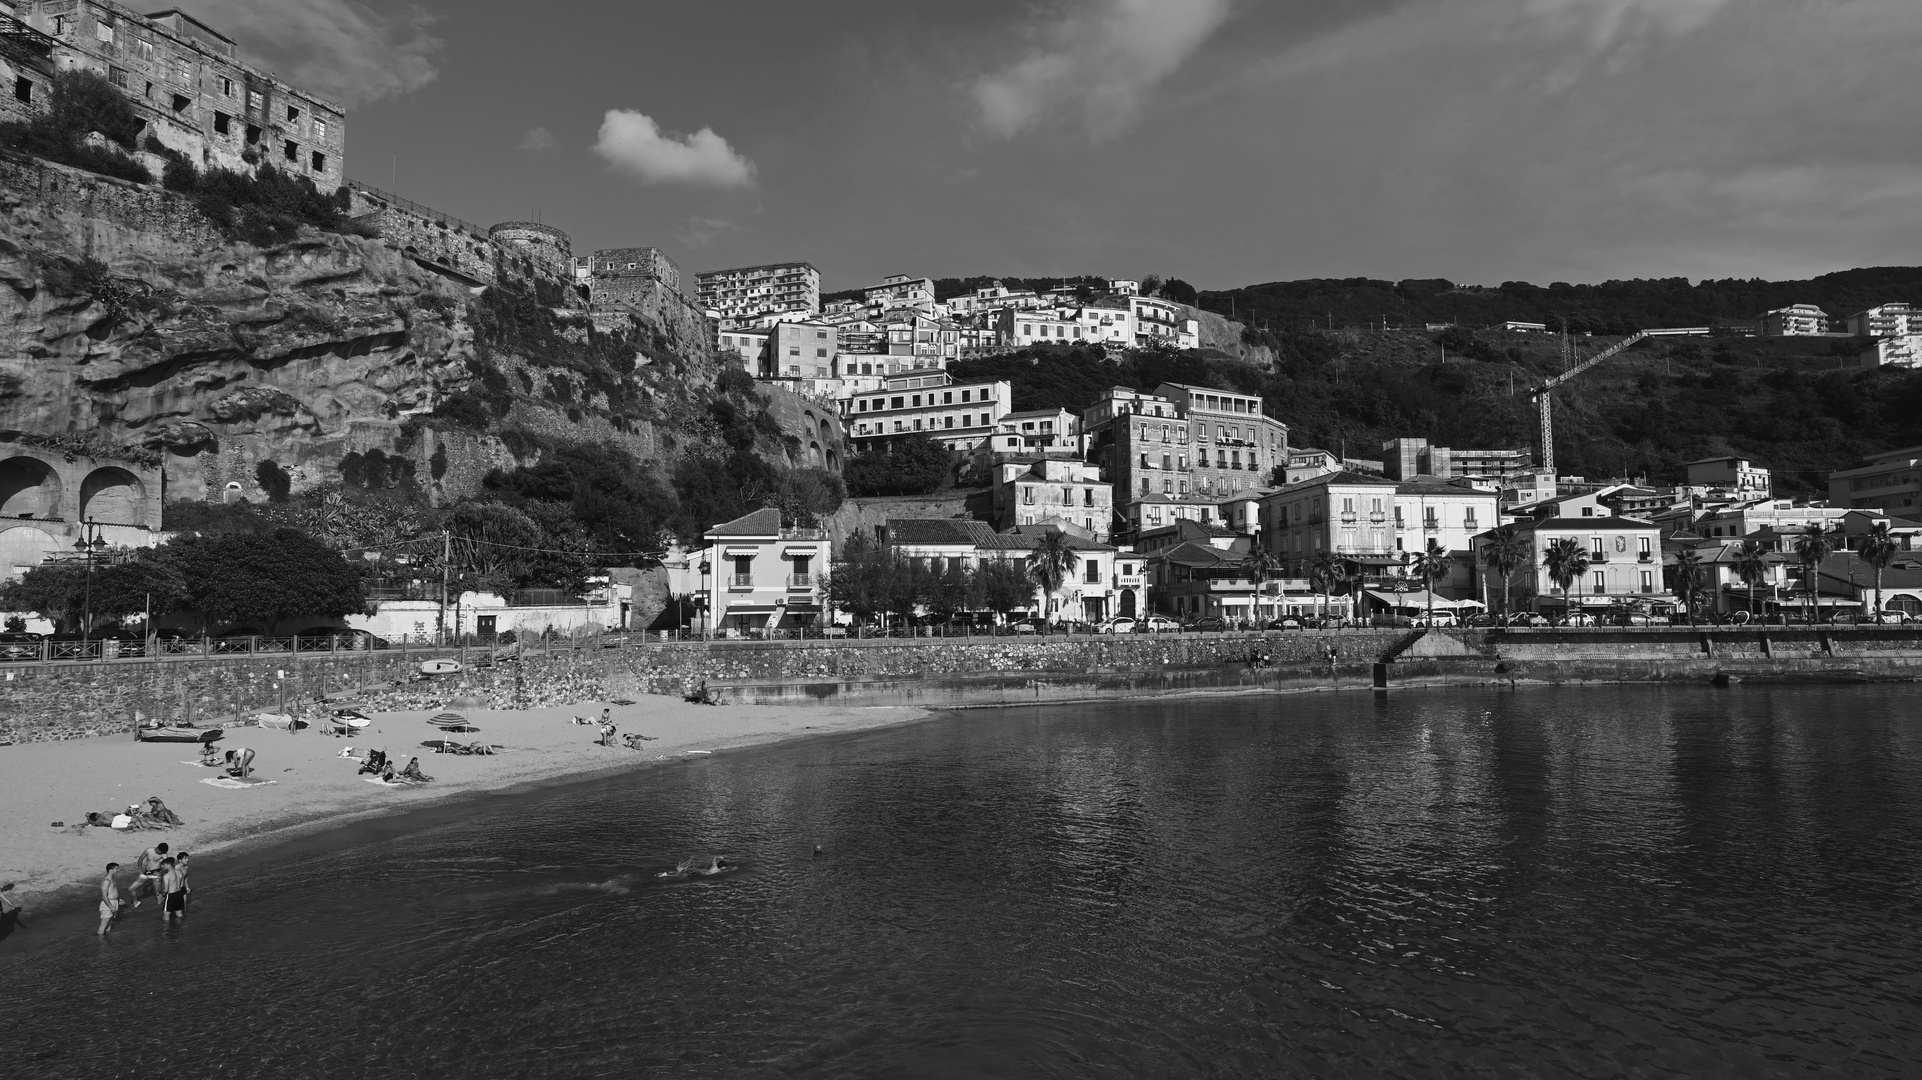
740	581
1431	525
801	582
804	534
1348	518
1645	557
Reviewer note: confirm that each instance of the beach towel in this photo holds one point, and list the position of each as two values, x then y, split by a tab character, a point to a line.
388	783
235	782
205	764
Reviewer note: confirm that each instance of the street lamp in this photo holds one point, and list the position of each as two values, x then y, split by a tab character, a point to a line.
89	543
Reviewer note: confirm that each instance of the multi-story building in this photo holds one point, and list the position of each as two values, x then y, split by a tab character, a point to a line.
1624	564
803	350
760	575
1891	483
899	291
1902	352
1054	491
624	275
1140	440
1799	320
1888	320
1404	458
743	294
1037	432
186	83
1161	322
1373	520
931	342
750	347
930	402
1144	513
1103	582
1016	328
1737	520
1235	446
1732	476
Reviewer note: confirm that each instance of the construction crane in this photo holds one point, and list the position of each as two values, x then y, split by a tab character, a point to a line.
1541	393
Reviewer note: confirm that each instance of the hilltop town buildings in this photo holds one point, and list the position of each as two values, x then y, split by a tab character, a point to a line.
1797	320
185	79
961	416
749	295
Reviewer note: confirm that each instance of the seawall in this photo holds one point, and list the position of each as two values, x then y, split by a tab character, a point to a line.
69	700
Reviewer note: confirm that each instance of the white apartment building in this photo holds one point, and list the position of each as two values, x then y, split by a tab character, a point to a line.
1730	474
899	291
759	575
803	350
1163	322
929	402
1902	352
1376	521
750	347
1015	329
1891	483
1888	320
1781	515
749	292
1799	320
1055	432
1624	563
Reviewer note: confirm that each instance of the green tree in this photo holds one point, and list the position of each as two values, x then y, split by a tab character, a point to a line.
914	465
1879	548
1813	545
1504	552
1051	564
1751	566
1565	561
1324	573
1690	578
273	480
1002	587
265	578
1430	565
121	587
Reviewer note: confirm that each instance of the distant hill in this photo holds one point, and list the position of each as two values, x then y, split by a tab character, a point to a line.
1612	307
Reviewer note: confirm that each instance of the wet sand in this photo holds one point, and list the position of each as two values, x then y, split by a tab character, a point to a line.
313	786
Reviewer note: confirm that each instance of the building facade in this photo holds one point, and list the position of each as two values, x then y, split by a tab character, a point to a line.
761	576
1731	475
744	294
1235	446
1625	565
801	350
186	83
624	275
1891	483
1888	320
1902	352
963	416
1798	320
1060	492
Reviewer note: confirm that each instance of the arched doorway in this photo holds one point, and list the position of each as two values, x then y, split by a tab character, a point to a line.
113	496
28	488
814	453
1127	604
22	548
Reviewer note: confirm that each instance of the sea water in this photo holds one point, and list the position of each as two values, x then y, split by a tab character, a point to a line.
1621	881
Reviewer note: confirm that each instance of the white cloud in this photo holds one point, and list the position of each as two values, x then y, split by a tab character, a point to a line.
632	142
538	140
1606	22
1100	62
339	49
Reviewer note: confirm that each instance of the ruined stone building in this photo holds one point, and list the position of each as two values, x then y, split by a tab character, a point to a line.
186	82
619	275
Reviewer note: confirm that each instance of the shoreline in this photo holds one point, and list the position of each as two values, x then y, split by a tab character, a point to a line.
314	791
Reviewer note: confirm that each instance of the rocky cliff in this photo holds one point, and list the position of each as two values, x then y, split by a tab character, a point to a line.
128	322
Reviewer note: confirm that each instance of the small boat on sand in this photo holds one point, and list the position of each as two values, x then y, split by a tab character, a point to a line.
178	733
440	667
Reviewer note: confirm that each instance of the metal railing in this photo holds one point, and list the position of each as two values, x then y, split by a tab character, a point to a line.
740	581
801	581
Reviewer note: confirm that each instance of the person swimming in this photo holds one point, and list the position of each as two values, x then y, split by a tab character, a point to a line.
719	865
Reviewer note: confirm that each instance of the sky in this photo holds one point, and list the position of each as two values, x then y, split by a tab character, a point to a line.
1226	142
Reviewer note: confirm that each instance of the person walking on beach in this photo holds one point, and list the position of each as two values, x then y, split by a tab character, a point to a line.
177	897
172	900
109	899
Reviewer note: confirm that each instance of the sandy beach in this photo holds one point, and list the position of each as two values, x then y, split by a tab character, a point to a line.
314	786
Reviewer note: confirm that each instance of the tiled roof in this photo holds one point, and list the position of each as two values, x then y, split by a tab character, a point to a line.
763	522
1578	524
1193	554
1344	476
930	531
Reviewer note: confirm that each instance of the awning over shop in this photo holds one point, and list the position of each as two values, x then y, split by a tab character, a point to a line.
804	609
751	609
1417	599
738	552
1371	560
791	552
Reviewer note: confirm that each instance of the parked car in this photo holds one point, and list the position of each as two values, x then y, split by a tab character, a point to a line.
1121	624
1206	624
1158	624
1390	620
1892	618
1439	619
1527	618
1636	618
21	646
1027	626
1288	622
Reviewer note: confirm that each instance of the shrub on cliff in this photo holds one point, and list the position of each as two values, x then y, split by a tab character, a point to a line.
83	103
268	207
917	465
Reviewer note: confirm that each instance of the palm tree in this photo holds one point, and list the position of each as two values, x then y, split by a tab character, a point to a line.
1323	574
1690	575
1566	561
1504	552
1053	560
1878	550
1350	578
1751	565
1813	545
1432	564
1264	566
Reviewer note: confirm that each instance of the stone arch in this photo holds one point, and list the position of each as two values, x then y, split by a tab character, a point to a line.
29	487
834	460
113	496
814	453
24	547
827	433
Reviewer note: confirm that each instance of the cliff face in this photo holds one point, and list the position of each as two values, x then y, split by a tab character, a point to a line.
126	319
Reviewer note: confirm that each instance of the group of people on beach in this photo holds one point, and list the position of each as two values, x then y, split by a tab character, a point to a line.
136	817
160	875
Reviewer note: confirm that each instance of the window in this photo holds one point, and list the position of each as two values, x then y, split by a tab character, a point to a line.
1087	496
1468	519
964	396
899	403
1595	545
793	350
181	102
1166	463
917	400
950	422
23	89
103	31
290	152
1648	581
1645	545
320	128
255	101
62	24
1027	494
1147	485
293	114
223	124
1168	486
947	398
117	77
226	87
1094	572
1601	581
183	70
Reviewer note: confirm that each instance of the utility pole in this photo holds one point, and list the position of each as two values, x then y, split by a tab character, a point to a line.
446	554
